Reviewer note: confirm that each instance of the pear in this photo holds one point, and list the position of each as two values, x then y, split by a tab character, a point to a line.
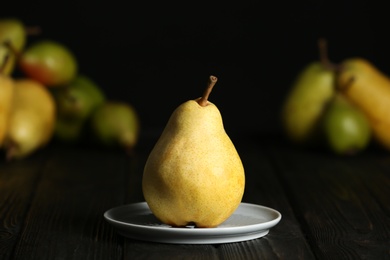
31	120
12	41
194	174
369	89
13	30
6	96
306	99
346	129
115	124
75	102
49	62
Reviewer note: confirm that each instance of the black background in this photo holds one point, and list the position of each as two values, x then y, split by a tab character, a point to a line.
158	55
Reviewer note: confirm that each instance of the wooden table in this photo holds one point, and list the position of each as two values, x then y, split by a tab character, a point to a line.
52	204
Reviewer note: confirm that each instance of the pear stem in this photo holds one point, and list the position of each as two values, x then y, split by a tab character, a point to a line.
204	99
324	58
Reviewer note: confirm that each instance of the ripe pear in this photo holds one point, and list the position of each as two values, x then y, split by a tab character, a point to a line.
49	62
306	99
115	124
31	121
194	174
369	89
6	96
75	102
12	41
346	129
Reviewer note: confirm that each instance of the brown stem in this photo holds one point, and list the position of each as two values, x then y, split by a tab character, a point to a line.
323	50
203	100
324	57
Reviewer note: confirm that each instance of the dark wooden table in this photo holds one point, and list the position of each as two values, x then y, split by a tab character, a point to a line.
52	204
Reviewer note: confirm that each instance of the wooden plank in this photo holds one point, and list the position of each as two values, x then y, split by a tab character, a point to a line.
18	180
66	216
336	200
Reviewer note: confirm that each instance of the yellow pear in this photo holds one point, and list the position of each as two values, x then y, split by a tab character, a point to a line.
369	89
32	118
194	174
6	94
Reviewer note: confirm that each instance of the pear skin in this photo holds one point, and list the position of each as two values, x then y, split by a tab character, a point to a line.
6	96
369	89
194	174
32	118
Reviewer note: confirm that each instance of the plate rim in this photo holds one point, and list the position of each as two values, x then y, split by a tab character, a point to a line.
191	235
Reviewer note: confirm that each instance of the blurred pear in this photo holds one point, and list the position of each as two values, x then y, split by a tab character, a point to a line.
31	121
306	99
76	102
12	41
369	89
49	62
346	129
116	124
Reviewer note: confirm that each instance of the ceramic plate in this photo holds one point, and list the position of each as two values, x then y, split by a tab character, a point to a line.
248	222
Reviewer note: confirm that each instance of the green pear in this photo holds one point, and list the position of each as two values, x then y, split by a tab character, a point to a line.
115	124
306	99
49	62
346	129
75	103
12	41
79	98
194	174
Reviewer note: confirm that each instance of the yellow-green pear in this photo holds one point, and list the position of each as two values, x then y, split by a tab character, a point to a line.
31	121
194	174
306	100
13	38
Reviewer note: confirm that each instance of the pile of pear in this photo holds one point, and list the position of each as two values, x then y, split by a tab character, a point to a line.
343	107
45	97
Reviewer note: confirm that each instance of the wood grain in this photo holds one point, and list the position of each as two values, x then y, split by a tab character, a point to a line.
342	218
18	180
52	205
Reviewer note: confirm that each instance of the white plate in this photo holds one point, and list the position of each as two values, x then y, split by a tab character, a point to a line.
248	222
